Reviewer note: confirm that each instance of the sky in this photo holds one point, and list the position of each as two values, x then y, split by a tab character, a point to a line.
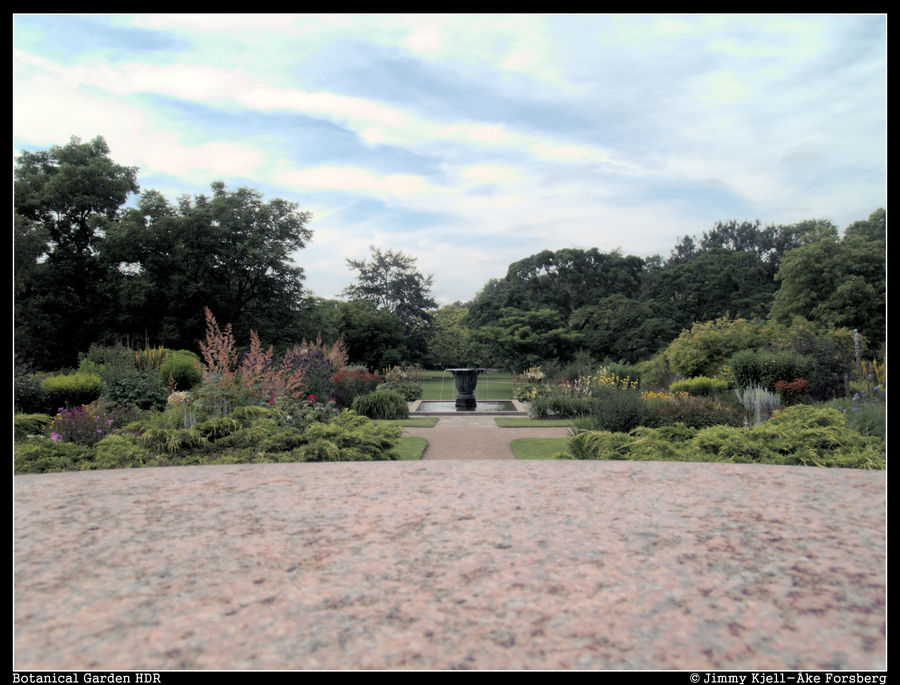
472	141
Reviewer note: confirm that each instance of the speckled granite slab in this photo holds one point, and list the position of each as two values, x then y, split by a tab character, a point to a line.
451	565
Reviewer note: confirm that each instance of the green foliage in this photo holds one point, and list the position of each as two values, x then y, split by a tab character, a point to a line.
30	395
448	342
759	402
765	368
74	389
181	371
410	392
866	417
381	404
612	409
699	385
134	387
801	435
42	455
30	425
352	382
522	338
350	437
838	283
66	199
123	451
703	349
558	400
693	412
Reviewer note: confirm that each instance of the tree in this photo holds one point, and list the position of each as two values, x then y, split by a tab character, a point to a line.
65	200
391	282
448	344
374	338
522	338
838	283
231	252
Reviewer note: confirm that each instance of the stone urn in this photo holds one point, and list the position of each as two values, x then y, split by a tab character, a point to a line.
465	380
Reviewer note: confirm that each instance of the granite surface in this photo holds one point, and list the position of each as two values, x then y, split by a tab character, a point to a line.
479	564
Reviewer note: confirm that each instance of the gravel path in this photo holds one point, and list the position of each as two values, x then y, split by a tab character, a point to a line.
476	437
482	564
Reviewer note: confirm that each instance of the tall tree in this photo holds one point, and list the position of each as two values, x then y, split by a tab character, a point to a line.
838	283
231	252
390	281
66	199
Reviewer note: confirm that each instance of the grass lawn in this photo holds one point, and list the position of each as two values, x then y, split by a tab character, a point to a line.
538	448
519	422
438	385
411	448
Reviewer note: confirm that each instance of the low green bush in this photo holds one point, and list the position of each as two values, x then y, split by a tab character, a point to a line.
694	412
765	368
381	404
42	455
800	435
30	396
350	437
700	386
410	392
134	387
612	409
180	371
352	381
30	425
73	389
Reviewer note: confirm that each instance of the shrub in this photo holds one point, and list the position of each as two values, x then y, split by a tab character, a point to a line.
703	349
410	392
181	371
794	391
87	424
613	409
801	435
122	451
40	455
30	395
693	412
349	437
71	390
350	382
765	368
759	402
381	404
30	425
134	387
560	400
699	385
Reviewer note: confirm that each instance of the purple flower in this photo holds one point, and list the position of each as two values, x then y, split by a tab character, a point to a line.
55	437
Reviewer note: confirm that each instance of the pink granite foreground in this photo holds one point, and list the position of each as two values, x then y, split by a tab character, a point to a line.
451	565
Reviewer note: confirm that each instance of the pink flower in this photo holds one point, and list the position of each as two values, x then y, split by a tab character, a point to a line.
311	399
55	437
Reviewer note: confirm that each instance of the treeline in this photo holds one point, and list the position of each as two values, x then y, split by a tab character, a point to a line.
91	270
624	308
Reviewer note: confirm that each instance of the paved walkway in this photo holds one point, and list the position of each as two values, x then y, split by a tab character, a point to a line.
476	437
475	564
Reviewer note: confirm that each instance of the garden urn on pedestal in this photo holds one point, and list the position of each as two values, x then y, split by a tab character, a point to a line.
465	380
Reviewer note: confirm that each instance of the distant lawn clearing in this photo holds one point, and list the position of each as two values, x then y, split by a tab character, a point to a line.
411	448
538	448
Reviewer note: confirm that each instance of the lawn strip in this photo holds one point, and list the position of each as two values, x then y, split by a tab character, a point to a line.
538	448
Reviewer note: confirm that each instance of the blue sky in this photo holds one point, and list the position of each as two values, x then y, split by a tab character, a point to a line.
472	141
